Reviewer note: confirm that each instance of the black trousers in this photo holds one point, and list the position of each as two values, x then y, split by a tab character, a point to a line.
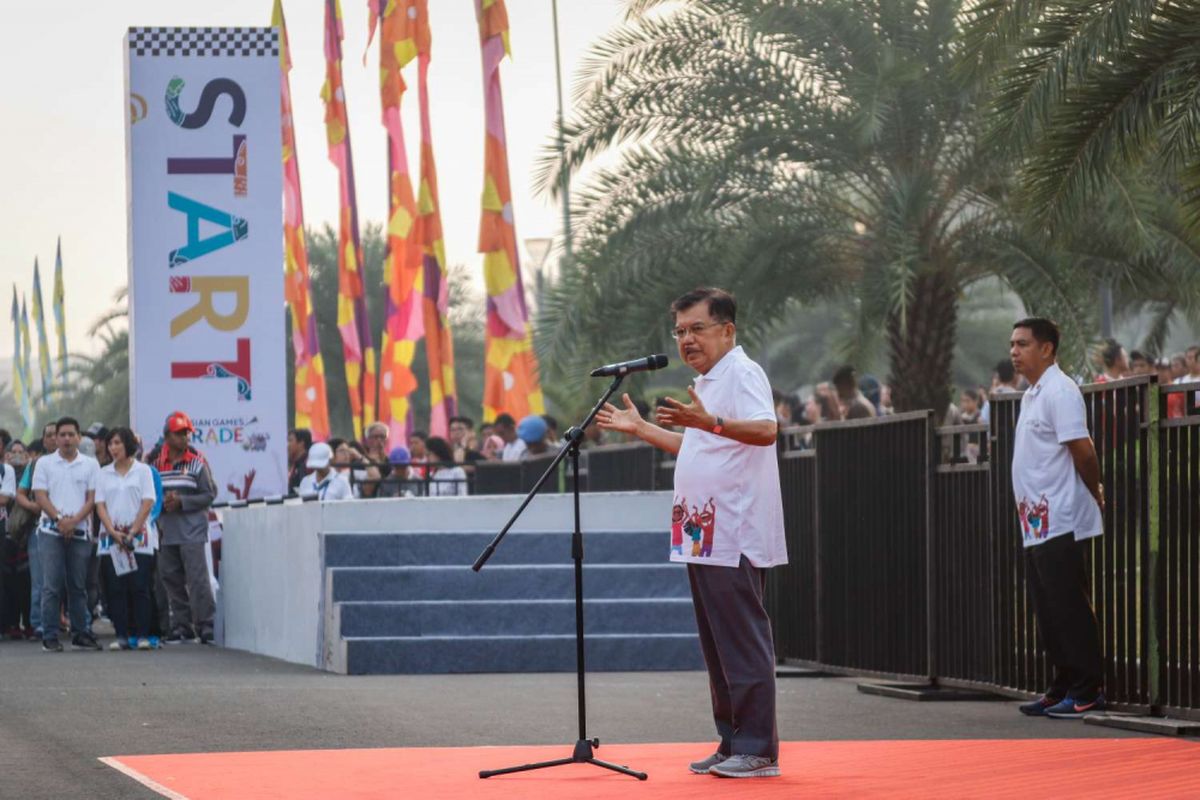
14	586
134	586
1058	581
735	635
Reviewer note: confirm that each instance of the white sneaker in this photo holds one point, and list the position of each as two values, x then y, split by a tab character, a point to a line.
747	767
143	644
118	645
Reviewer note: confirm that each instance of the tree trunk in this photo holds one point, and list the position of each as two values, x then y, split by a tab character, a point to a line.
922	347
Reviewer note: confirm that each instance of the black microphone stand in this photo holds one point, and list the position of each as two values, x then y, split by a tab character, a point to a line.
584	746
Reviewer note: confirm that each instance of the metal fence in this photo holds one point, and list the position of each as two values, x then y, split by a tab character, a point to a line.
907	557
1175	551
605	468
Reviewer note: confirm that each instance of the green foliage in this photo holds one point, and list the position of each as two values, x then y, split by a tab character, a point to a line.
804	155
1098	107
97	387
1086	92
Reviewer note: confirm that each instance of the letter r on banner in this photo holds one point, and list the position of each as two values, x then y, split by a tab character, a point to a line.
207	287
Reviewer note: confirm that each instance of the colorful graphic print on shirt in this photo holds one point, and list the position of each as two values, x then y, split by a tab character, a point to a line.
139	541
699	525
1035	517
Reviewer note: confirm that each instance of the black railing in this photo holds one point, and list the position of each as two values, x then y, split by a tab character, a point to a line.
794	612
872	481
1175	549
840	482
963	615
426	479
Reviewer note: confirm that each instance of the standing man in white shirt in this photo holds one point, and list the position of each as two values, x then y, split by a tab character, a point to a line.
729	515
1060	500
64	484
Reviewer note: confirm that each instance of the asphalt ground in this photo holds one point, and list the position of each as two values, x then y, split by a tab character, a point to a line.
59	712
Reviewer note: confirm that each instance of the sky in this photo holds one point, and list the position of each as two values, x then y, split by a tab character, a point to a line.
62	145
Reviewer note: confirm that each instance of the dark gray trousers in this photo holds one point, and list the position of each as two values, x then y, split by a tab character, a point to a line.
735	635
184	573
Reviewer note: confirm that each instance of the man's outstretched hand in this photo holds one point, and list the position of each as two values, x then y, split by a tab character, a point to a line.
685	415
622	420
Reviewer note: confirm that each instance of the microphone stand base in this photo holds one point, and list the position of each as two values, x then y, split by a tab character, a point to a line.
583	755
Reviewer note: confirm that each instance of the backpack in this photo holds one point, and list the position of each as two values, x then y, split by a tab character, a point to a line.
21	521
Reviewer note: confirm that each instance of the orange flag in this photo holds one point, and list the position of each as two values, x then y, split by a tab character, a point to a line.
353	322
312	410
510	374
400	24
439	344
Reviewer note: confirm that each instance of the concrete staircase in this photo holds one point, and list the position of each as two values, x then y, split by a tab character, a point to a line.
408	602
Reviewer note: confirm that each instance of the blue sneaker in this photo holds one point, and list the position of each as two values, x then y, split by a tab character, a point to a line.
154	645
1038	707
1070	708
132	642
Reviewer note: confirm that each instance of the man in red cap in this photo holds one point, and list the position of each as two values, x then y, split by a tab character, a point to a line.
188	491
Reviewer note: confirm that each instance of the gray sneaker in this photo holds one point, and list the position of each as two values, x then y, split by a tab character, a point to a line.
746	767
702	767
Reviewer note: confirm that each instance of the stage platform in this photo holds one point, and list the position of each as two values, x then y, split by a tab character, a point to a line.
1023	770
188	708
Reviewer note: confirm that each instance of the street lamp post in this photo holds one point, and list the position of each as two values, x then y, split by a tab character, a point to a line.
538	249
564	177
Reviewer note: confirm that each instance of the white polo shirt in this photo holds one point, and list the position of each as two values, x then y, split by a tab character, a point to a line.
1052	499
122	496
727	499
334	487
67	483
514	450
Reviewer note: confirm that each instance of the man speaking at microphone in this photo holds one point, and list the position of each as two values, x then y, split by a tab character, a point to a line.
727	522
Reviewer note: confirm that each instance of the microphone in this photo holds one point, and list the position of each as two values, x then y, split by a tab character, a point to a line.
625	367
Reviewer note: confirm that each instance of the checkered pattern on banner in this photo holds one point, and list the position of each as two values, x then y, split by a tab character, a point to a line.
203	41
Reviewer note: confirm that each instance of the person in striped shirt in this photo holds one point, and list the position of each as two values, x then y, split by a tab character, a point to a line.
188	492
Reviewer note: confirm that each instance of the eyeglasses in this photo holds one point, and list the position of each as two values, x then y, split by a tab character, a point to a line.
694	330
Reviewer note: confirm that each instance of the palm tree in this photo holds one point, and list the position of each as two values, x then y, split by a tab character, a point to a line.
790	151
97	387
1085	91
1098	106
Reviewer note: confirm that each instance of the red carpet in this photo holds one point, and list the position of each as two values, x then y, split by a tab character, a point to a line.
1025	769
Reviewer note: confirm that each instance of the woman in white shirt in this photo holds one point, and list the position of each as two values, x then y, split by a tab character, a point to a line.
446	481
124	497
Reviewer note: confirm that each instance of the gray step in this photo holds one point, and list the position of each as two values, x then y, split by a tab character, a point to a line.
505	582
444	548
514	617
433	655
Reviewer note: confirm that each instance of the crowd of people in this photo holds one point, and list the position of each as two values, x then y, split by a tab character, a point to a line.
423	465
848	396
94	527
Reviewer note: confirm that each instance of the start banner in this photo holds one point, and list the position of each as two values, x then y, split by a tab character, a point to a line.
206	305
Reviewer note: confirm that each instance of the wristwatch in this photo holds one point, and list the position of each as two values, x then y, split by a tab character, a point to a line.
720	426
